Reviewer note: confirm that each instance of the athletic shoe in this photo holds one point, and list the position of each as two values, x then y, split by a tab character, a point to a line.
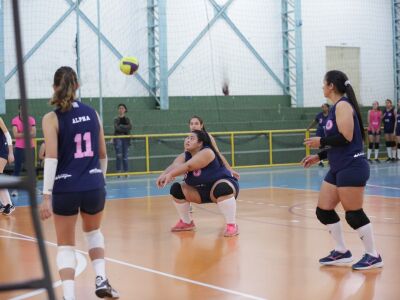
368	262
377	160
8	209
388	160
14	193
394	159
369	160
182	226
336	258
231	230
321	164
104	289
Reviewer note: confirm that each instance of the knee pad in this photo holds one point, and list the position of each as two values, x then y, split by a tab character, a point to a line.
356	218
398	145
370	146
95	239
393	143
222	189
176	191
388	144
376	145
66	258
327	216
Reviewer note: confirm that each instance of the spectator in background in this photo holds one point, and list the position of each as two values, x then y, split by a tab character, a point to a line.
122	126
19	155
320	120
374	130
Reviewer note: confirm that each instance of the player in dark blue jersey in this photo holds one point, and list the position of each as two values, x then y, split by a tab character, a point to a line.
206	180
320	120
73	183
389	121
6	155
197	123
349	171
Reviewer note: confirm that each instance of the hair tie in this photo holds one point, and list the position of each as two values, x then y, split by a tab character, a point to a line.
347	82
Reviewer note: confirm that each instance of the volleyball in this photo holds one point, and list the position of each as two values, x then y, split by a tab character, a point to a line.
129	65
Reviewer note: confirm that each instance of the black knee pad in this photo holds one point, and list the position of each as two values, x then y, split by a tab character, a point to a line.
398	145
393	143
371	146
376	145
388	144
327	216
356	218
176	191
222	189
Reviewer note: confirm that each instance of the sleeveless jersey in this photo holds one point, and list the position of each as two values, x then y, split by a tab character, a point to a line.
388	120
374	121
398	123
341	156
214	171
78	166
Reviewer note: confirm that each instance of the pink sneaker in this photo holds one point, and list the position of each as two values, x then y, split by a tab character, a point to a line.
182	226
231	230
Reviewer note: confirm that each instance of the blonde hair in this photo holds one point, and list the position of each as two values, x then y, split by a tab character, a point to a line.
65	85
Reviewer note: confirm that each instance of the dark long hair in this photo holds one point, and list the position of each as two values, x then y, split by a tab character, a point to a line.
343	86
203	136
200	120
65	85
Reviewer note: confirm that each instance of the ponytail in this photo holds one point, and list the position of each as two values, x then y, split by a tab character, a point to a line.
343	86
65	85
353	100
204	137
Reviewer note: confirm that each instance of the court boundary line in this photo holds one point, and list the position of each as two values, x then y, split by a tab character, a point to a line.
149	270
80	267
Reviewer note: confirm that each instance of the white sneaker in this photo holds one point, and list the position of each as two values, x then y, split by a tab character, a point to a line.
14	193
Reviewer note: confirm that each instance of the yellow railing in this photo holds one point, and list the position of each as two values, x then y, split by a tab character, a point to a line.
231	136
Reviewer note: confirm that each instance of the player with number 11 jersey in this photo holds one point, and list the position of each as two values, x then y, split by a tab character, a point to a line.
78	150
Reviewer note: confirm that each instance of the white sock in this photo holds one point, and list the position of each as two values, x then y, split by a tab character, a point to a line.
393	152
228	209
99	266
376	153
69	289
398	153
5	197
366	236
183	211
336	231
389	152
369	153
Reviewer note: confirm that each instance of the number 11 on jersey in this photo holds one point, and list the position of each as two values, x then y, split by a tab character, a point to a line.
88	145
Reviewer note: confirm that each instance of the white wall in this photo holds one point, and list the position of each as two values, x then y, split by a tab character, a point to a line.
123	24
219	56
356	23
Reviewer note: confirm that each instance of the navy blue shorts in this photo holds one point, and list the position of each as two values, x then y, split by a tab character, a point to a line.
4	151
356	174
89	202
374	133
388	130
205	190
